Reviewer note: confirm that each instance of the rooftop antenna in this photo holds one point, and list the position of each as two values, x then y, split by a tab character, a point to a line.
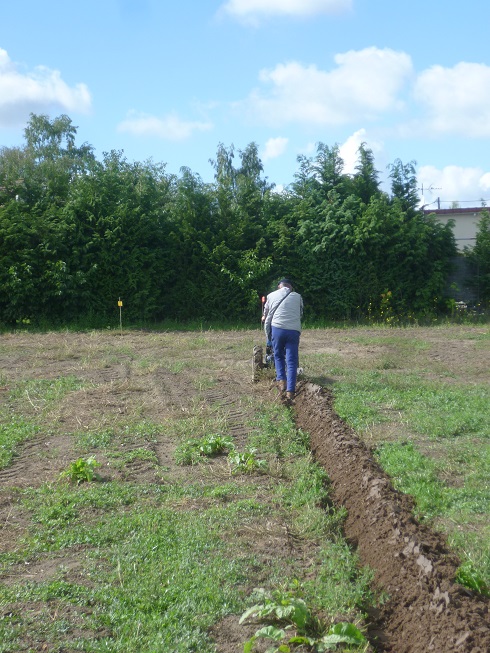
430	189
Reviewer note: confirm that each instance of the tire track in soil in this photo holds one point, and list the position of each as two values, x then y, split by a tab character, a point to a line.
41	458
236	415
173	393
37	460
426	610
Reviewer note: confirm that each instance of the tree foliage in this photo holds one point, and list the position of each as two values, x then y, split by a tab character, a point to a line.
77	233
479	255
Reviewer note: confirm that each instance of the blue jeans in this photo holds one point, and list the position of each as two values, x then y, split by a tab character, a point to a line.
285	343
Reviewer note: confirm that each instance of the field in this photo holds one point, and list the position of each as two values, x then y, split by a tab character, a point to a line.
149	487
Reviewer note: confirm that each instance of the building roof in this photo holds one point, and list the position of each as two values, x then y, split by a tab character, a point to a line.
459	211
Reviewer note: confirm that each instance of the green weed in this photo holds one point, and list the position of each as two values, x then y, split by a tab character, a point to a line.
292	626
469	577
246	462
86	441
139	454
82	471
192	451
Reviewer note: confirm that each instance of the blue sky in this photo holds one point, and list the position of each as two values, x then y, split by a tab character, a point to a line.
171	80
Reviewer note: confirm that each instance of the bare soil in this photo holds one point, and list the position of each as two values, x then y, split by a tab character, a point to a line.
425	610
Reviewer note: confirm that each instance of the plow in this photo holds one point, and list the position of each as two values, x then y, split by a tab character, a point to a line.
262	359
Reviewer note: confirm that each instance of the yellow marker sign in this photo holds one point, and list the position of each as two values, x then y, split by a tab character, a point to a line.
119	303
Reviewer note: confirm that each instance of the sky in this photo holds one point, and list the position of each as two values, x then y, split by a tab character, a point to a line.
172	80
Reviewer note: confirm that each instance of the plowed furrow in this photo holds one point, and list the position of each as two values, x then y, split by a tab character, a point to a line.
426	610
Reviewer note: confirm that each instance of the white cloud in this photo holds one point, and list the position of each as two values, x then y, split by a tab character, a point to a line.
453	184
349	149
170	127
34	92
274	147
457	99
252	10
485	183
365	84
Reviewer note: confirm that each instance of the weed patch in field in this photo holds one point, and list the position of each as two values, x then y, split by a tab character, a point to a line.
153	565
146	561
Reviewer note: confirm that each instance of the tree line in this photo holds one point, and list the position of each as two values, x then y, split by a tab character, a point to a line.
78	233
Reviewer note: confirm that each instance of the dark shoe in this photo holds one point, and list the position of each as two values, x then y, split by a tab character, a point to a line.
281	386
290	396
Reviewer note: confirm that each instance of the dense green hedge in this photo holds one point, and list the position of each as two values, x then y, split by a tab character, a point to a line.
479	256
77	233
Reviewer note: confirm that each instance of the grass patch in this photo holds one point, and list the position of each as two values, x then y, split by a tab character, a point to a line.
41	393
422	477
424	401
432	409
158	564
134	432
154	576
22	417
165	577
14	429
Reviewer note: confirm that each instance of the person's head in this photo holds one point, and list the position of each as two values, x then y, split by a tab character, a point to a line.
285	283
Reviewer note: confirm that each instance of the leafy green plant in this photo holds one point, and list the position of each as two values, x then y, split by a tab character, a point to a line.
192	451
246	462
292	625
279	605
82	470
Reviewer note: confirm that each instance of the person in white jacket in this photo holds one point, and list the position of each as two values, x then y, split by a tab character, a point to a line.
282	315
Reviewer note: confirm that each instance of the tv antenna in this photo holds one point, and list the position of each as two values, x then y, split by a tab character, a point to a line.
430	188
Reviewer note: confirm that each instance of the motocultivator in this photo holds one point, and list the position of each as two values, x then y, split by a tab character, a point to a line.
261	361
